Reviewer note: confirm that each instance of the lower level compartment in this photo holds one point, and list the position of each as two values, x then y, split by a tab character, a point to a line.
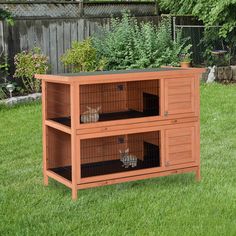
121	153
105	155
111	167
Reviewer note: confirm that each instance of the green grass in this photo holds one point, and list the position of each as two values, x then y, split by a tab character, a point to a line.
174	205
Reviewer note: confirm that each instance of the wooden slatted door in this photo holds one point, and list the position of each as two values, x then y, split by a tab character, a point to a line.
180	96
180	145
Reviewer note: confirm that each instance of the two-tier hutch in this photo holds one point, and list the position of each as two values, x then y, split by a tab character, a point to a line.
103	128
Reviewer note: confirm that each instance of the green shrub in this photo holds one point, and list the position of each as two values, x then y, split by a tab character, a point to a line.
4	67
2	93
6	15
27	65
82	56
128	44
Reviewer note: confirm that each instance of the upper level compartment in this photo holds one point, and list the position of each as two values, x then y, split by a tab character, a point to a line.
120	100
119	97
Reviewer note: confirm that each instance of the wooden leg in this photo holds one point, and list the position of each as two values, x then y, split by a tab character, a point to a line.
45	180
198	174
74	193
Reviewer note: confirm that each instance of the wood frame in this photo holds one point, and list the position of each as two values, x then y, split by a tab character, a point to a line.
179	114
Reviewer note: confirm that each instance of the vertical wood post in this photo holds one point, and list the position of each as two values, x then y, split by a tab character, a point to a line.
74	101
81	8
44	94
197	99
157	11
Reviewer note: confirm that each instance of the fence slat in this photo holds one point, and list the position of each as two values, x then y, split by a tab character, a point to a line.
53	47
46	40
60	46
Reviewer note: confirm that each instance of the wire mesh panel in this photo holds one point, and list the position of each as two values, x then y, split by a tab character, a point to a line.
104	102
115	8
33	9
76	9
101	156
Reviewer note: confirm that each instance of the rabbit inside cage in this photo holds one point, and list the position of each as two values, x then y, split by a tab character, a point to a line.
91	115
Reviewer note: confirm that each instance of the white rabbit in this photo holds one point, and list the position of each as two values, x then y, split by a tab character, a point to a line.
127	159
211	76
91	115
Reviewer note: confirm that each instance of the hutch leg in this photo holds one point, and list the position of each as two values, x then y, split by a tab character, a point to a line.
74	167
45	177
74	193
198	174
75	142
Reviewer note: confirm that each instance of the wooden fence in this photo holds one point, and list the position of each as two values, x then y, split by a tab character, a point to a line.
55	34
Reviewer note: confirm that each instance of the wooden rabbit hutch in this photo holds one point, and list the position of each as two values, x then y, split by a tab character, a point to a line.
103	128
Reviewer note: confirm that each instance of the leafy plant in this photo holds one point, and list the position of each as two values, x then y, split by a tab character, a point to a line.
29	63
128	44
4	66
186	54
185	57
6	15
2	92
82	56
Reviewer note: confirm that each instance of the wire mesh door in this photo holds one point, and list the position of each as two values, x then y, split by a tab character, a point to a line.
108	155
115	101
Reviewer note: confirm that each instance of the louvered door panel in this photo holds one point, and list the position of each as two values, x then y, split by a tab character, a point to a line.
179	96
180	145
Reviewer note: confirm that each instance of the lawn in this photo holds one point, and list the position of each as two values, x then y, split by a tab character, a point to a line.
174	205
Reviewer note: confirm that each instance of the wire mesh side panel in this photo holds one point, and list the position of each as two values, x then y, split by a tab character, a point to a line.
108	155
115	101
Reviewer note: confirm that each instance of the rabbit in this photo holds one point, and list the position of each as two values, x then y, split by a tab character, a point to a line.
211	76
128	159
91	115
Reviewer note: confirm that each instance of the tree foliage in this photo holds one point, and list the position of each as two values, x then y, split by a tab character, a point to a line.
220	13
211	12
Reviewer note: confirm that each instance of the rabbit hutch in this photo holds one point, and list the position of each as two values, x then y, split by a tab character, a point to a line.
103	128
